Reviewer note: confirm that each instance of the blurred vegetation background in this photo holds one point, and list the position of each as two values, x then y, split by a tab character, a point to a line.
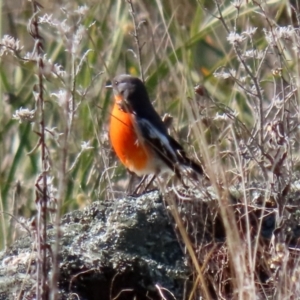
226	71
88	43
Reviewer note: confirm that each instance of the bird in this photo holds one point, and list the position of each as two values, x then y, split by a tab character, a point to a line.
138	135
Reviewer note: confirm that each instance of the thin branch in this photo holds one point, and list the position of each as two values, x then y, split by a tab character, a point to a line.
42	271
136	38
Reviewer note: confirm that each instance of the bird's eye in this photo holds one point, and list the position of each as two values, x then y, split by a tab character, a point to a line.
116	82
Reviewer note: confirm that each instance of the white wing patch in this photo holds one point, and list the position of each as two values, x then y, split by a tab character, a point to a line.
149	135
153	133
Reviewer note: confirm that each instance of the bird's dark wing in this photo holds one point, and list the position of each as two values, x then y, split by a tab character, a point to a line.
168	149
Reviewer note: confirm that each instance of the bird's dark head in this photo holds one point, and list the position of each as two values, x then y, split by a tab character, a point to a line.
131	96
130	88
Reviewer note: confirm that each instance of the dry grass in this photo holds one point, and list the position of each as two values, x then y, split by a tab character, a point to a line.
242	122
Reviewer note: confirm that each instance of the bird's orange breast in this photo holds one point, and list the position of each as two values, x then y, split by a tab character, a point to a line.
124	139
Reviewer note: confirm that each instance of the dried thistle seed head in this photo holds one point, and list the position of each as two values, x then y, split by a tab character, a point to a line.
24	115
9	45
235	38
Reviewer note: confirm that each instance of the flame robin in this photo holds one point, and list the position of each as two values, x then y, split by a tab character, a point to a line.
139	136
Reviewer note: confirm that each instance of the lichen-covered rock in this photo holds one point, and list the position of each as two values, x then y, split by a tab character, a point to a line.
125	248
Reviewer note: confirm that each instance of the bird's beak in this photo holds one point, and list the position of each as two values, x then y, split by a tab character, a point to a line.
109	85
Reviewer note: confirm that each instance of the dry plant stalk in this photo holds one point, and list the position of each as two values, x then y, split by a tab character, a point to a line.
42	192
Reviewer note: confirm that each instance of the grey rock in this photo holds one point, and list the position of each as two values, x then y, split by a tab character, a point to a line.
126	248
